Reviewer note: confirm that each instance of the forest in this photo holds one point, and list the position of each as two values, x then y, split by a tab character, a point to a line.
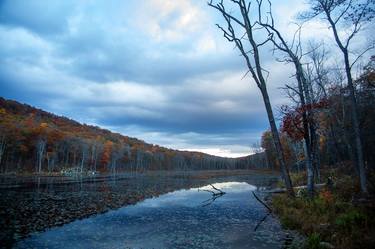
334	140
35	141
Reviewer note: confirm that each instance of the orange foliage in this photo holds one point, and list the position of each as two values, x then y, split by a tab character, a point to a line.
106	156
327	196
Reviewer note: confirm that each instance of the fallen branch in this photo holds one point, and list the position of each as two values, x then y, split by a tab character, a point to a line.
220	191
215	195
262	202
283	190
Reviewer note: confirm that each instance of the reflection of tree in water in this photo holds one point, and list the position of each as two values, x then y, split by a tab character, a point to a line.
267	214
216	193
261	221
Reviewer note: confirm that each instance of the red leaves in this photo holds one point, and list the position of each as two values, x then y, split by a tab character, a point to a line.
293	119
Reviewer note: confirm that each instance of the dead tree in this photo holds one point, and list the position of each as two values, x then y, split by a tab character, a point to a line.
343	14
239	31
3	145
84	152
40	150
293	54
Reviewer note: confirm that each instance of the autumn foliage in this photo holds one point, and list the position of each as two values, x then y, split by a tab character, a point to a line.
292	123
30	136
333	123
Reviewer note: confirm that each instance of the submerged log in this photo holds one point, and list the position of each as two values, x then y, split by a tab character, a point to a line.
283	190
219	191
215	195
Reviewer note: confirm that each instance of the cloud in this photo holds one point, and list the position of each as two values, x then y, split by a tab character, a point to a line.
44	17
158	70
172	21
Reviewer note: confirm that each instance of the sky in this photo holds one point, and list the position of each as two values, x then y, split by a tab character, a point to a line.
158	70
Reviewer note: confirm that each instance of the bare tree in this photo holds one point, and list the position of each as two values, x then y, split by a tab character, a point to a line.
241	31
40	150
118	153
293	54
96	149
51	157
346	18
2	146
93	155
84	152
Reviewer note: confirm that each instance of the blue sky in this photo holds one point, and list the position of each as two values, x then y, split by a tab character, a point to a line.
158	70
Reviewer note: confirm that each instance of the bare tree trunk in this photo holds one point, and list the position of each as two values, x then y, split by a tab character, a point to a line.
293	55
48	162
354	15
316	157
2	147
307	126
354	107
356	128
95	160
277	143
83	160
256	72
41	145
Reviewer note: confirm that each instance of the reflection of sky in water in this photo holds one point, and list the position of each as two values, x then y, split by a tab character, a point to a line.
174	220
194	197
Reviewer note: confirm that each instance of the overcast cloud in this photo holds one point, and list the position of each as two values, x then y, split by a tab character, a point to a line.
158	70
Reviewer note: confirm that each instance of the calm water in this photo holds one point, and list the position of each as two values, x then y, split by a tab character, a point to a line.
180	219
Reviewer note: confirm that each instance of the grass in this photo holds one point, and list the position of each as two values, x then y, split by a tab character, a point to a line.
331	217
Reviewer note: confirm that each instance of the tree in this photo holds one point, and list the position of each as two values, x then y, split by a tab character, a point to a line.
293	54
106	155
41	132
347	17
95	149
40	150
366	96
118	152
236	32
84	152
4	130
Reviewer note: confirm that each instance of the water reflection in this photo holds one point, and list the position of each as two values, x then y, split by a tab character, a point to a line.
173	220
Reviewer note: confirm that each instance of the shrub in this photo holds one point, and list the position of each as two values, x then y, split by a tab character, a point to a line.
348	221
327	196
314	242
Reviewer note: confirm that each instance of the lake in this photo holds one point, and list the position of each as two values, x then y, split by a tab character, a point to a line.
190	218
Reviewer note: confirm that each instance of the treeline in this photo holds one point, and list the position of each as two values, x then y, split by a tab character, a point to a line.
332	123
32	140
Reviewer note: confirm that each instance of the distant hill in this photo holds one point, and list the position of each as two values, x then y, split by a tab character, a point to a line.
33	140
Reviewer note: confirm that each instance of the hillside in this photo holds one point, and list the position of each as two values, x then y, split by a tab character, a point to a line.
33	140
